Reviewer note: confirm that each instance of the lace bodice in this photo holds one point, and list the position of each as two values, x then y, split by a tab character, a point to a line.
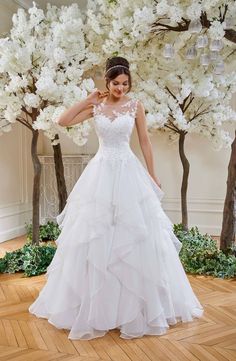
113	127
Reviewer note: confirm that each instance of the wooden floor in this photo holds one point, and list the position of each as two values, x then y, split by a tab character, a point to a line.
24	337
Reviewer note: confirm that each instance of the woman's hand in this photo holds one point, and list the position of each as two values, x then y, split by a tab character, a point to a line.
156	180
97	96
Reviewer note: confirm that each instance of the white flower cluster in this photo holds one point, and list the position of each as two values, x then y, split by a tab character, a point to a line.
42	65
216	31
32	100
193	12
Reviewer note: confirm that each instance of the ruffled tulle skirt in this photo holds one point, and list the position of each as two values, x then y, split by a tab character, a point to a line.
116	263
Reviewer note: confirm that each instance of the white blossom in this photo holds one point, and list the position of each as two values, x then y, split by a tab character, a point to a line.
193	12
162	8
32	100
216	30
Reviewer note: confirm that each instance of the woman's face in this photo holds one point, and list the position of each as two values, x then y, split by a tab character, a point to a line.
119	86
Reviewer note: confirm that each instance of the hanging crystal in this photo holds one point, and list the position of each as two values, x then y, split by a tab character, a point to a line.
214	55
202	41
195	26
204	59
219	68
168	51
191	53
216	45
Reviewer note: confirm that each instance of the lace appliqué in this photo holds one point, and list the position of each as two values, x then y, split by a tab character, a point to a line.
130	107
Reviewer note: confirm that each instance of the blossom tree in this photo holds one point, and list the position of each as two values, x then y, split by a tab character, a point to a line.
182	94
43	64
216	19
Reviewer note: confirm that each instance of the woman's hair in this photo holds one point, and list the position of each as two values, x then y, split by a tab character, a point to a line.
115	66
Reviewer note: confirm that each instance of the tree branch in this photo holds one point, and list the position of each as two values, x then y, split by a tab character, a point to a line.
171	93
174	130
179	28
173	125
26	111
230	34
203	112
184	102
5	125
225	11
24	122
187	106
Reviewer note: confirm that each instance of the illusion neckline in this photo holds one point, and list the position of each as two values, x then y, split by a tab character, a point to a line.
115	112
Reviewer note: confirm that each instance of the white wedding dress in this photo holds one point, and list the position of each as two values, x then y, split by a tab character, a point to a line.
116	263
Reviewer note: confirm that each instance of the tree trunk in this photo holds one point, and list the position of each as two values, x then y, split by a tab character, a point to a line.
184	185
36	187
59	169
227	237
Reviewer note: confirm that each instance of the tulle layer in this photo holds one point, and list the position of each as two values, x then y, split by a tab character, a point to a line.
116	263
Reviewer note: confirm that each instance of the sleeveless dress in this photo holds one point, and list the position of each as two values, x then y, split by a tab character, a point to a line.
116	263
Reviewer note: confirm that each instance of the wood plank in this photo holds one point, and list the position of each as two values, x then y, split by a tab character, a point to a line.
11	338
18	334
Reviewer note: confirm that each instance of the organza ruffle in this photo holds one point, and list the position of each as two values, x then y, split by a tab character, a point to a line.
116	263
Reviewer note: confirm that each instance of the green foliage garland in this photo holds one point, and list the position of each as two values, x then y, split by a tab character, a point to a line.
31	259
200	254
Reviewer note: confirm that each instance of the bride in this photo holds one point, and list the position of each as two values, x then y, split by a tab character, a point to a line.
116	263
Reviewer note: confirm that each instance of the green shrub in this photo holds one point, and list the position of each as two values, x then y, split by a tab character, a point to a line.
47	232
200	254
31	259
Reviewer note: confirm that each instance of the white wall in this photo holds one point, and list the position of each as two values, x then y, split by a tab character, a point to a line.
7	9
15	182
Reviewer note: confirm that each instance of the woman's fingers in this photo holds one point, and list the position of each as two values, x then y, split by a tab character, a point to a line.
100	94
103	94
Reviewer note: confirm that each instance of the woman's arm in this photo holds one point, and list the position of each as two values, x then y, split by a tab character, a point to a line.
77	113
82	110
144	141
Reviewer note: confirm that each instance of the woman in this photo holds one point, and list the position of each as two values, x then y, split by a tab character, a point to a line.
116	263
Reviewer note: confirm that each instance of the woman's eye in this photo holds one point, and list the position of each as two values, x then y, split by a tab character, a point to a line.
125	84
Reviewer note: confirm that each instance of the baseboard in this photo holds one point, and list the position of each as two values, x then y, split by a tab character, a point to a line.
12	233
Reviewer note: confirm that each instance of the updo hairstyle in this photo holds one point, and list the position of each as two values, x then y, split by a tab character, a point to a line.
115	66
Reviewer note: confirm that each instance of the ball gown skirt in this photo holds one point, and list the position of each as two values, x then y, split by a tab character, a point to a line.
116	263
